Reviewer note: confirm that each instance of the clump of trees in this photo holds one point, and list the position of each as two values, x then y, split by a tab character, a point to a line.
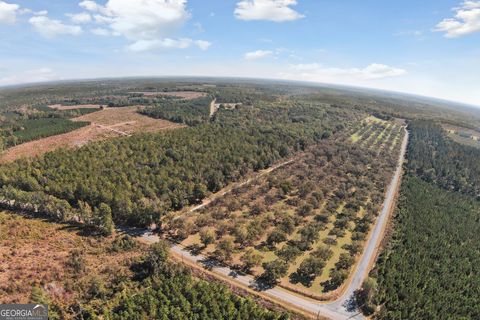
190	112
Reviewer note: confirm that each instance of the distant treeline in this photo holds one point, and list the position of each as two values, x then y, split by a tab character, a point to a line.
190	112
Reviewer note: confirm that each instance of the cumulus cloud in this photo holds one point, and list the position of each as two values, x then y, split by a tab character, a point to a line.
319	73
465	21
79	18
259	54
271	10
149	24
8	12
50	28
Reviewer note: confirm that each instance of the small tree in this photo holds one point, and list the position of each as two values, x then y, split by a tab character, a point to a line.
275	237
274	270
251	259
156	261
225	249
289	253
365	297
76	261
207	236
345	261
310	268
104	221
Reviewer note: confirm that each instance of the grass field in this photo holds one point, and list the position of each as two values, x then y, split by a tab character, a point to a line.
327	200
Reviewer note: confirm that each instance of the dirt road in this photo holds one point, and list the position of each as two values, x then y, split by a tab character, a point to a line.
341	309
213	108
229	189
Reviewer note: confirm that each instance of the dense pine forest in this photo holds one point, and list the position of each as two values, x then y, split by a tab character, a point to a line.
190	112
436	158
430	267
140	178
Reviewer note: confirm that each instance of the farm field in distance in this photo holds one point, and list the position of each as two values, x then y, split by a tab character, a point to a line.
104	124
318	229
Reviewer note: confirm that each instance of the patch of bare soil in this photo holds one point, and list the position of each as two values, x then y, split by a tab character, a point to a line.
105	124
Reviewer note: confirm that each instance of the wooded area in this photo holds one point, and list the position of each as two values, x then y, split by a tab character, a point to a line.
142	177
430	267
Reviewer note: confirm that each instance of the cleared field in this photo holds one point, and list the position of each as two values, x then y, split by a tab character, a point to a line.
80	106
188	95
313	214
463	135
105	124
49	263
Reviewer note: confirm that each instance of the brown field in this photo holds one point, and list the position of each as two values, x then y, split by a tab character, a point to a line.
44	264
105	124
188	95
80	106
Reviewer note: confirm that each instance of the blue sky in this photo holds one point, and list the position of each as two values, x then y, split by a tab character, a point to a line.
429	47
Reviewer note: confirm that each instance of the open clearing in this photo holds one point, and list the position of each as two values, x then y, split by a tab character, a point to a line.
105	124
23	265
74	107
187	95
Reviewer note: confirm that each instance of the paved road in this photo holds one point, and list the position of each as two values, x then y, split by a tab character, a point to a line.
339	309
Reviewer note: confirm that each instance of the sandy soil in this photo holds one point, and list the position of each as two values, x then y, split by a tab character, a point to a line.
105	124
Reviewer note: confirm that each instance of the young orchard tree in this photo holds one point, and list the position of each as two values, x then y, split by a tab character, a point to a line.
207	236
251	259
274	270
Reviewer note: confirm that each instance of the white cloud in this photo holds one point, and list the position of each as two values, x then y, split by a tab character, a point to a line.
167	43
318	73
149	24
50	28
101	32
92	6
38	13
79	18
141	19
202	44
466	21
30	76
271	10
8	12
259	54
